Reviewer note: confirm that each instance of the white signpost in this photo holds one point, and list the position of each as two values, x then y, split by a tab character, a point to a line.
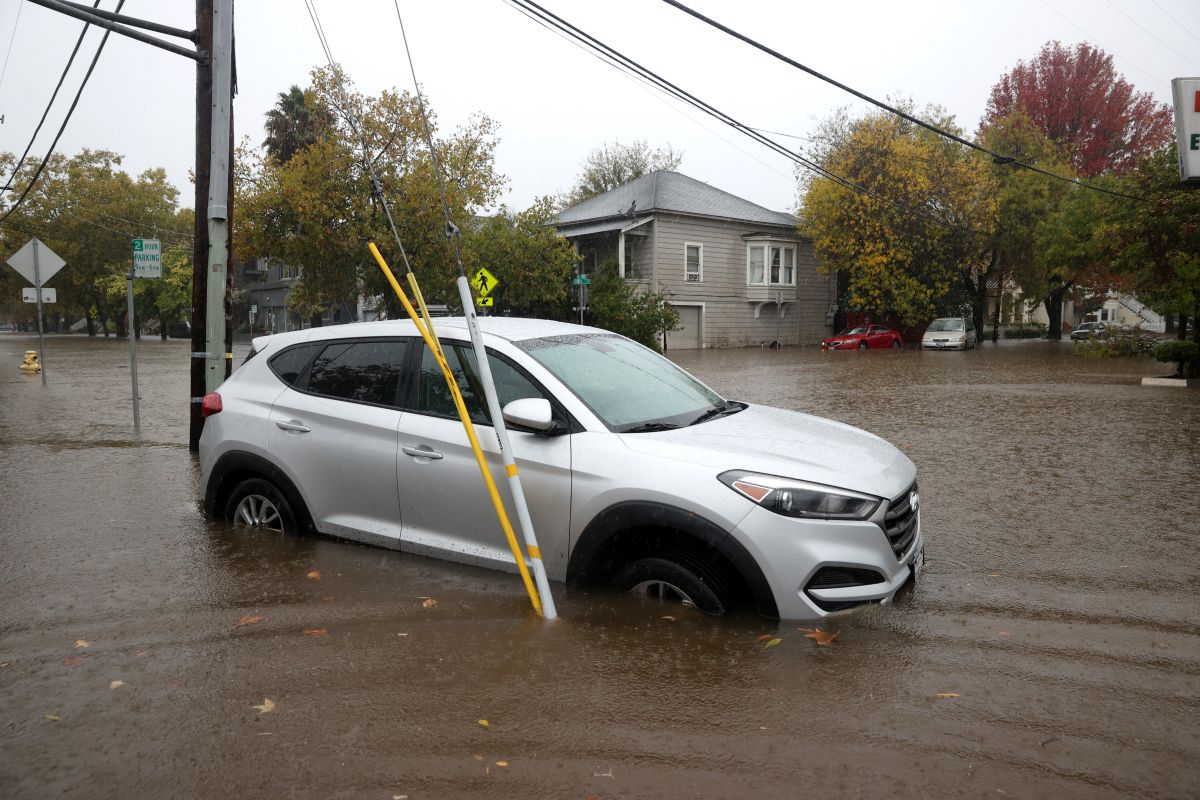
37	264
147	263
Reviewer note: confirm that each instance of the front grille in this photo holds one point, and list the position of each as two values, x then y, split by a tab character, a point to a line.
900	523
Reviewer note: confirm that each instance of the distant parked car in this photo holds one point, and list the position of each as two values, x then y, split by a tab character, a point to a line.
950	333
1090	330
7	327
864	337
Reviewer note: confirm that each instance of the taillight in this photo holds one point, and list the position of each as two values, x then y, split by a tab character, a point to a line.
211	404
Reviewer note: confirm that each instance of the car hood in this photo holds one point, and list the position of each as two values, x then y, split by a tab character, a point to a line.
789	444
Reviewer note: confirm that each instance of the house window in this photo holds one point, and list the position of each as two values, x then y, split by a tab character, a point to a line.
693	262
771	265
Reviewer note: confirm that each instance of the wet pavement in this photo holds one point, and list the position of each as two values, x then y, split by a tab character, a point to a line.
1051	649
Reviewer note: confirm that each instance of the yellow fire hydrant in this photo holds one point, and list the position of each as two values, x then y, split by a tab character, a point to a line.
31	363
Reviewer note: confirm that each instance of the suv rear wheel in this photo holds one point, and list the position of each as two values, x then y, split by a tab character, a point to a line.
256	503
666	579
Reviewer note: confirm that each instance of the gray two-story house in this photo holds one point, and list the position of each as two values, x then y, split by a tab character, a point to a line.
737	273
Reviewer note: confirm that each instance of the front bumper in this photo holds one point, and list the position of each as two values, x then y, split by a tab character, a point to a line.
929	344
794	553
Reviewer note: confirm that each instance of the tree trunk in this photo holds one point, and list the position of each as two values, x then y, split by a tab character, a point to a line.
1183	327
91	326
1170	326
316	321
1053	304
103	324
162	327
122	330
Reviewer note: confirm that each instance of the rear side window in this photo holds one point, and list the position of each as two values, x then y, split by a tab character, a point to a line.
291	364
365	371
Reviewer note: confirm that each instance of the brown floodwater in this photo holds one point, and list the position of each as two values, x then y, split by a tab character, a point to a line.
1051	650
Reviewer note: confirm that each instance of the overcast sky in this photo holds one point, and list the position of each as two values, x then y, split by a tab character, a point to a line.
553	101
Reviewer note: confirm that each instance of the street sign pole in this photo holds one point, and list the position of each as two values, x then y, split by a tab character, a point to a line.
37	285
137	422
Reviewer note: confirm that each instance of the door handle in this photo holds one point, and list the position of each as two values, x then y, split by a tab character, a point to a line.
423	451
292	425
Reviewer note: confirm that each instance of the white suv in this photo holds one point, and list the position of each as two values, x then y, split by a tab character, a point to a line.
637	474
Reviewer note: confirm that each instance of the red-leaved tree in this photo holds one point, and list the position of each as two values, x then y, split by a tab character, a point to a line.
1080	102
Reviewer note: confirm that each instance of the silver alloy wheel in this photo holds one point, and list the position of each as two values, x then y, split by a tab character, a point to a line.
661	590
256	511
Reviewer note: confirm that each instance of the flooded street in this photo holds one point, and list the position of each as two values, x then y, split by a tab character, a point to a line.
1052	649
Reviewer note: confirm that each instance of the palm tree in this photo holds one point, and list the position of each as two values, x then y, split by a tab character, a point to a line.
291	125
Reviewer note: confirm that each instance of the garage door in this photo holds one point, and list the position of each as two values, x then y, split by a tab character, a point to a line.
688	337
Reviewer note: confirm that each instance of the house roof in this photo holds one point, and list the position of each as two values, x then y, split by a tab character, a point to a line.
666	191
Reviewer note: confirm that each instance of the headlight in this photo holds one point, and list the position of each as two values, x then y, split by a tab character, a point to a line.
793	498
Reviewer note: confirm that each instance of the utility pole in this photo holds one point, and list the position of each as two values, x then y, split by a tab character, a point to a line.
214	194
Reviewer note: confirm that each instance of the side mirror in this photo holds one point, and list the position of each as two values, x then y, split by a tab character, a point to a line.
531	413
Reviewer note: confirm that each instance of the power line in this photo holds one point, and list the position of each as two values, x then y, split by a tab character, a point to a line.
63	127
603	51
13	38
1177	22
1000	158
1077	27
53	96
1149	32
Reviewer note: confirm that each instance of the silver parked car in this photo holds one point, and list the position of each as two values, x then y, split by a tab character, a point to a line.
950	333
637	475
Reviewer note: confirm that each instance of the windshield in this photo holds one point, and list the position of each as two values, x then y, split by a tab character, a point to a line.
946	325
625	384
853	331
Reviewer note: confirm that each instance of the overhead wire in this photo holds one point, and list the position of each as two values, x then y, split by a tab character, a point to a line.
1182	27
11	40
999	157
1149	32
548	18
50	151
8	184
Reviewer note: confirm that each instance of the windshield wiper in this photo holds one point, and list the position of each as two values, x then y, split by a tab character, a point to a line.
716	411
647	427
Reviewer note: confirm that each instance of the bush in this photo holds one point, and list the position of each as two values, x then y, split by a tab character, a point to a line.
615	306
1185	354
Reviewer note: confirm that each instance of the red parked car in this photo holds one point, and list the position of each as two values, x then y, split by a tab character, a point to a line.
863	337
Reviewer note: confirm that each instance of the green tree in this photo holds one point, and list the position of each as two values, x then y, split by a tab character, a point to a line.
318	210
919	239
613	165
533	264
87	210
1157	242
292	125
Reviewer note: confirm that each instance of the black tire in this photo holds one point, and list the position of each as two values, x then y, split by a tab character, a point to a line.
895	344
863	345
667	579
258	504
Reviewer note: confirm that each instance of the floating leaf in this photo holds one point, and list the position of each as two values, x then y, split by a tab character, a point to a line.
268	705
142	653
82	643
501	763
53	717
1004	634
949	694
314	632
249	619
314	575
477	757
429	602
484	723
668	618
764	637
116	684
3	664
72	661
820	637
772	643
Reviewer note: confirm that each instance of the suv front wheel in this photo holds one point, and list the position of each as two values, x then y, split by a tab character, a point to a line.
664	579
256	503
